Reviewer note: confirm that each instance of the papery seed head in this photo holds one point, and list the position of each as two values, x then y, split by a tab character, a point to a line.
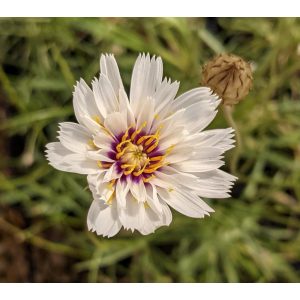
229	76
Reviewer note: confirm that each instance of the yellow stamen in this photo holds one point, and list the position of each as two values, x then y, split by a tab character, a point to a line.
125	166
138	173
153	169
129	171
145	137
150	149
106	165
119	155
156	165
103	165
154	136
134	156
157	158
121	144
150	141
126	134
138	131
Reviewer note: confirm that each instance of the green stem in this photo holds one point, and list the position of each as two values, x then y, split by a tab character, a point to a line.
227	110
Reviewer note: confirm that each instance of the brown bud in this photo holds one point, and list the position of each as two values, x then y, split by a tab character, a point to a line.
229	76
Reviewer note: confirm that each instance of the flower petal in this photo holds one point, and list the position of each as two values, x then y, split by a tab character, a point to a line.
95	208
112	173
91	124
74	136
100	189
63	159
200	95
122	189
100	155
164	96
214	184
146	114
218	138
103	140
125	106
105	96
129	215
146	77
116	122
84	102
199	105
109	68
185	202
149	220
103	219
139	216
138	191
196	117
152	199
192	166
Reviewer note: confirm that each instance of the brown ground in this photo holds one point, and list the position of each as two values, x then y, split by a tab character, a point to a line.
23	262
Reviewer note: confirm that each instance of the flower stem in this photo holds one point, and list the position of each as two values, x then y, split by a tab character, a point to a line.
227	110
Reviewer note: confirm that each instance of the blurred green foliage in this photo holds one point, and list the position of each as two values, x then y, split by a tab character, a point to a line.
252	237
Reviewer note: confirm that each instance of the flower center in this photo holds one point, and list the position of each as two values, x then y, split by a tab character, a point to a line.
138	153
133	159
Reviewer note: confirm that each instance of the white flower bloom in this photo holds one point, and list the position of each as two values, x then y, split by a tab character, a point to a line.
145	153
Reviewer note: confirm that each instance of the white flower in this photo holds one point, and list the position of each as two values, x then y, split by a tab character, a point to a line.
145	153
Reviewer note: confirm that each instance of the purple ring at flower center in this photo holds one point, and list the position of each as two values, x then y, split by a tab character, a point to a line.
137	154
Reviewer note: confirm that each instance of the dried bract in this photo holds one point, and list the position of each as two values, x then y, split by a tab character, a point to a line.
229	76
